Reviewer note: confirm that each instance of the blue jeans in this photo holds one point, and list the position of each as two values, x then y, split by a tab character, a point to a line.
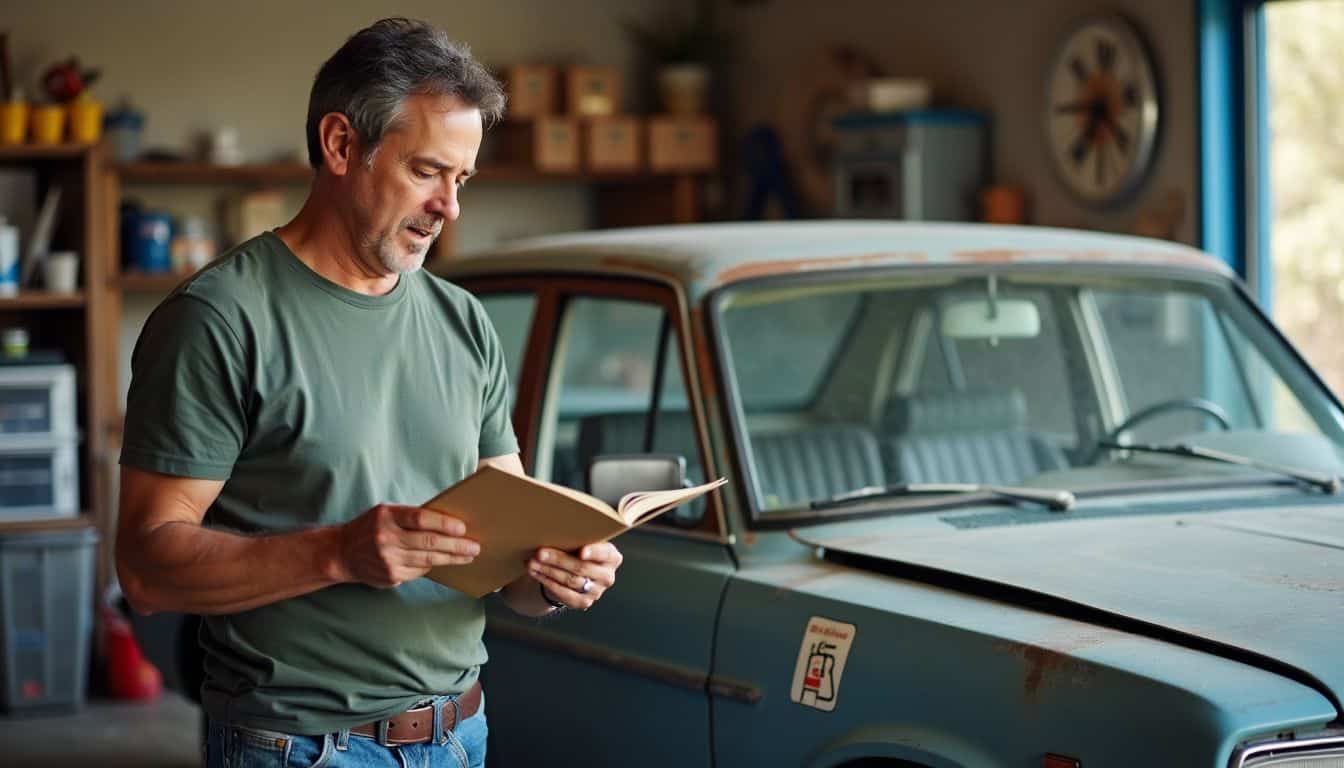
232	746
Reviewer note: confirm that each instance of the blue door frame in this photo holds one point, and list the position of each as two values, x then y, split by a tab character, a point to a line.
1233	139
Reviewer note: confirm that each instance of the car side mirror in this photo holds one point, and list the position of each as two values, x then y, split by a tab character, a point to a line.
613	475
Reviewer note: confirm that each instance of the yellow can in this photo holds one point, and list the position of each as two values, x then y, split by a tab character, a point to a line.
13	122
86	120
48	124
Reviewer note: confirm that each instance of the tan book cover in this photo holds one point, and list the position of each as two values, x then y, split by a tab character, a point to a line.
514	515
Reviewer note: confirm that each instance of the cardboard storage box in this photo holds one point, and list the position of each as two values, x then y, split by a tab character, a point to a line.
612	144
593	91
549	143
555	144
684	144
532	90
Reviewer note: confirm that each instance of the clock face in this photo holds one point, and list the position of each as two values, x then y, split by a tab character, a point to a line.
1101	110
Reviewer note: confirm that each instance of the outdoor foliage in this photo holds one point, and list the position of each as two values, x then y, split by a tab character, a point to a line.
1306	85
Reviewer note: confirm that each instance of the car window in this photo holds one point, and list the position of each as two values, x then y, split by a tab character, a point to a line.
603	395
1034	366
1170	346
1278	407
783	351
511	314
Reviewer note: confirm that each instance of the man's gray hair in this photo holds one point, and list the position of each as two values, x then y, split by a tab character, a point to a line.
369	78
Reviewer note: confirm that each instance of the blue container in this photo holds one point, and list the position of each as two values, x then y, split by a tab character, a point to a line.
124	127
151	242
46	616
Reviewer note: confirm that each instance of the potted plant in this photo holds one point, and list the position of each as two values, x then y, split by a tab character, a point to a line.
679	49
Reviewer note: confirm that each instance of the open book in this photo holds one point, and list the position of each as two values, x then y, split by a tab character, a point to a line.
513	515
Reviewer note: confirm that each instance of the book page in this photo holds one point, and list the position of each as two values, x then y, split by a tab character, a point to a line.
635	507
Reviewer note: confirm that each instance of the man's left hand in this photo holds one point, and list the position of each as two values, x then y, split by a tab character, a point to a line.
578	582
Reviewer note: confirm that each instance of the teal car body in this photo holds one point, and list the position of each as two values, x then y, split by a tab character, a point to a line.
838	603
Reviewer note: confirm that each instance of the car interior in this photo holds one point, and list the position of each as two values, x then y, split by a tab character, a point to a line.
988	379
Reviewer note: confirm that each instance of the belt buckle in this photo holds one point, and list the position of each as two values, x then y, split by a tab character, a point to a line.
381	735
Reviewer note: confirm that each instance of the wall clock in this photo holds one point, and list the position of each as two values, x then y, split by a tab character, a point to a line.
1102	109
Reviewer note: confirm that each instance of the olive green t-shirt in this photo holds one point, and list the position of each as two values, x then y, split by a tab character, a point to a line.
314	403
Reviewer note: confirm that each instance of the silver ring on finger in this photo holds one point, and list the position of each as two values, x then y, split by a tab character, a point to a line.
587	585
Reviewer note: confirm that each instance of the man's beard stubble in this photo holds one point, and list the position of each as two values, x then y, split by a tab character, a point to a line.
394	257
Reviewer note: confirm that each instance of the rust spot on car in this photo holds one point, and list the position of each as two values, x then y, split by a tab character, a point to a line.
990	257
700	348
1038	661
1293	582
642	267
1008	256
786	266
1056	664
809	576
786	581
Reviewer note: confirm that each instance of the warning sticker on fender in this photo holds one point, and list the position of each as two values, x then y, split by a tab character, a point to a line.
821	661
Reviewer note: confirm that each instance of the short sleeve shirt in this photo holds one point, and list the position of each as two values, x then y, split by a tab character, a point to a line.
314	403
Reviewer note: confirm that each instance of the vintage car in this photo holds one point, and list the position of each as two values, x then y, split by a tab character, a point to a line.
997	497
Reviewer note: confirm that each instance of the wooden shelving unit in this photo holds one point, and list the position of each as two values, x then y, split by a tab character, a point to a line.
39	151
43	300
204	173
147	282
82	325
665	198
266	174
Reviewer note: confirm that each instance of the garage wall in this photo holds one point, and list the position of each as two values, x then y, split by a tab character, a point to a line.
249	64
983	54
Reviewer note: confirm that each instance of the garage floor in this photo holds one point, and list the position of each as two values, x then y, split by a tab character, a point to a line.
108	734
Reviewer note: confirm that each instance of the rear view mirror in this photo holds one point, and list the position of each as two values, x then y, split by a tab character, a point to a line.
991	319
613	475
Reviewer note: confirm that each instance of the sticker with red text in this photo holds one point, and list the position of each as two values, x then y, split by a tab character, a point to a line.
821	661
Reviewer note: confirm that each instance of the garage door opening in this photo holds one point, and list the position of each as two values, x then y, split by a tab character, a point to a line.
1303	40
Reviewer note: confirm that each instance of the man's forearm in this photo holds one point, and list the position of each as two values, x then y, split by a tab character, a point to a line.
184	567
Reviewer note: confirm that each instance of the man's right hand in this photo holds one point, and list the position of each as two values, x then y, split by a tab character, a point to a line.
391	544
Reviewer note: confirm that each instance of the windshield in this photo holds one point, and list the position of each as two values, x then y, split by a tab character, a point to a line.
1012	378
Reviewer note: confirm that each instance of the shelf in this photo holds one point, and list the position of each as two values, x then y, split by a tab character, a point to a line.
205	173
295	173
40	151
42	300
41	525
149	282
523	173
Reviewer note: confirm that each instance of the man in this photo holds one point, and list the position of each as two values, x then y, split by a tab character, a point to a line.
295	396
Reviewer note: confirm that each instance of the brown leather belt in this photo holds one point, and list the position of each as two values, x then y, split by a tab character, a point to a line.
416	726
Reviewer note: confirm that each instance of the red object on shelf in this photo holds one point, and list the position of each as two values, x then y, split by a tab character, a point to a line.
129	674
65	80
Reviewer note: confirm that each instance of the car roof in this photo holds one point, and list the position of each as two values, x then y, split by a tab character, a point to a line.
702	257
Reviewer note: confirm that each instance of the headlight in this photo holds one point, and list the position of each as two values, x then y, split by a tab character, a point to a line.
1303	753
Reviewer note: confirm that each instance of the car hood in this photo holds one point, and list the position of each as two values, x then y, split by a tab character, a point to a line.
1262	585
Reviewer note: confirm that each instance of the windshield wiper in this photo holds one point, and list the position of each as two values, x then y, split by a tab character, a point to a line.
1328	483
1060	501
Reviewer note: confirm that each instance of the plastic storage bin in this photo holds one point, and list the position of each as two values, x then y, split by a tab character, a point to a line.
46	614
39	478
37	401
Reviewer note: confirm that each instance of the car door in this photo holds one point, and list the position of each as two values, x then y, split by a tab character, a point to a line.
604	371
